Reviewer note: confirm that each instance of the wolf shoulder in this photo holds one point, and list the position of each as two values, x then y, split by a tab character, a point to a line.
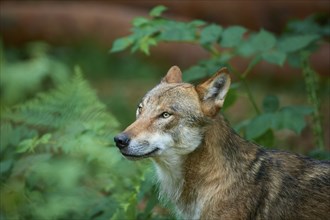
299	167
290	186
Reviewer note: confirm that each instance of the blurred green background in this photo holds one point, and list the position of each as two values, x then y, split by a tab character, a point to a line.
64	97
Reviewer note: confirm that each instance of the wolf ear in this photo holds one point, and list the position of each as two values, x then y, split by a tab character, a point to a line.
173	75
213	91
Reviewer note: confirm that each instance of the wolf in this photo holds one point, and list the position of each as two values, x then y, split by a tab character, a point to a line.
207	170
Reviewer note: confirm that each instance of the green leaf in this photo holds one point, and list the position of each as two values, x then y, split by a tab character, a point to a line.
263	41
246	49
45	138
291	117
259	125
177	31
205	68
30	144
231	96
266	139
194	73
140	21
316	24
27	145
295	43
157	11
270	103
212	65
6	165
145	43
210	34
197	23
121	44
274	56
232	36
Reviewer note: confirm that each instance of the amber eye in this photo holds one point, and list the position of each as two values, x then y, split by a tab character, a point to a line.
139	109
165	115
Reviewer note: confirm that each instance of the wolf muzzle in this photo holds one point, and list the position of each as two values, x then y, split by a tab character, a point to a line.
122	140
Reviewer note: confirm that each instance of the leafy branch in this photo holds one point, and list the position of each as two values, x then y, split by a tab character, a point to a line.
225	43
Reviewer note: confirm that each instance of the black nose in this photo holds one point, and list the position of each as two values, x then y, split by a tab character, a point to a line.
122	140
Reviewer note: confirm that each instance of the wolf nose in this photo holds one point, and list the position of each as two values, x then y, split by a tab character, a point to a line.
122	140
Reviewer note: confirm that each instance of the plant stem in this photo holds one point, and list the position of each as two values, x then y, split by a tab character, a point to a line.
211	49
251	65
249	93
242	78
311	83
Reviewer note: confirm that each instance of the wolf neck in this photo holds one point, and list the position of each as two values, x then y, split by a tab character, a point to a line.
170	176
184	178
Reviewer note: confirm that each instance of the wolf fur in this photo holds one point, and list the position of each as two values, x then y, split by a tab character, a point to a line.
210	172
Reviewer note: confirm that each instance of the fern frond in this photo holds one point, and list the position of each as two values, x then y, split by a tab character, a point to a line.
72	102
72	114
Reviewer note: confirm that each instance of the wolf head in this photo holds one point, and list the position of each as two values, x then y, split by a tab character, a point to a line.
170	119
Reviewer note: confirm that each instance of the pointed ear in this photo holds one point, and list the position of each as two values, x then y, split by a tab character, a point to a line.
173	75
213	91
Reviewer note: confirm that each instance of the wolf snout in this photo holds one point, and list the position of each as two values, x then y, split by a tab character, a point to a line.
122	140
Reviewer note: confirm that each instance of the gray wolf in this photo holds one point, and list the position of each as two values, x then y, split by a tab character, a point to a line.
207	170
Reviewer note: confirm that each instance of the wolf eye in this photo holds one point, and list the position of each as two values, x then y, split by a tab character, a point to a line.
139	109
165	115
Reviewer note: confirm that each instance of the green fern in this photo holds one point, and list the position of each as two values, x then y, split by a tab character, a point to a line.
74	101
55	159
56	145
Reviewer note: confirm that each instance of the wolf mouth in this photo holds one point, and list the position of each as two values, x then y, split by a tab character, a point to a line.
141	155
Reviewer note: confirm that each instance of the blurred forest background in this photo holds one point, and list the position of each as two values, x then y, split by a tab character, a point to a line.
68	84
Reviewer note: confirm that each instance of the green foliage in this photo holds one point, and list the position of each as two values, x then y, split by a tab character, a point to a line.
232	36
121	44
157	11
43	70
210	34
238	40
58	162
295	43
77	104
223	44
274	118
317	24
263	41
